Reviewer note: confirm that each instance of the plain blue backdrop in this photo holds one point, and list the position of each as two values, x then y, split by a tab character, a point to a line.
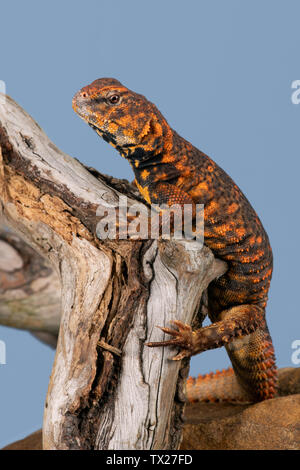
220	71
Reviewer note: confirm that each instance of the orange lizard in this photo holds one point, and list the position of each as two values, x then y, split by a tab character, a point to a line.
170	170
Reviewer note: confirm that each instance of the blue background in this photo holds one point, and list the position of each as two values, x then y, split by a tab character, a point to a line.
221	72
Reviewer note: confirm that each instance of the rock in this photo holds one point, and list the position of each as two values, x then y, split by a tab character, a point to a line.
289	381
31	442
269	425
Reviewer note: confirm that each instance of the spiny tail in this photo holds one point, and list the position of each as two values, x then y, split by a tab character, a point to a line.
221	386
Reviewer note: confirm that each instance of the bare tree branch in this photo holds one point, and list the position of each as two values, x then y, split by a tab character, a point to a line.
29	288
107	390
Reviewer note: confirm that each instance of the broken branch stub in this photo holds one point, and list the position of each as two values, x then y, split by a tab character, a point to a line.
107	389
29	289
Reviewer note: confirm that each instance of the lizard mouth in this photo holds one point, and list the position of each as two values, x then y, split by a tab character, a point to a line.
95	128
106	135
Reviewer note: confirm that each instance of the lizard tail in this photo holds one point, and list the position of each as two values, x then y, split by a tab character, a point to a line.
221	386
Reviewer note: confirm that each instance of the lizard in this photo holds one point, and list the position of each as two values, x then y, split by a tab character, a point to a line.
170	170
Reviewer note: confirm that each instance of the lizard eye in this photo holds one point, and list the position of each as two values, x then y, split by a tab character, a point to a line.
114	99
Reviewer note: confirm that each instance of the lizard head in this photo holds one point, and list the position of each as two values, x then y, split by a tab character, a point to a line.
125	119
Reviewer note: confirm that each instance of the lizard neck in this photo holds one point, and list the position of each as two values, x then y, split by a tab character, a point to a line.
164	162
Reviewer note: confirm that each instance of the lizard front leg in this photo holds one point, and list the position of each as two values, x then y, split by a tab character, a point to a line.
244	333
235	322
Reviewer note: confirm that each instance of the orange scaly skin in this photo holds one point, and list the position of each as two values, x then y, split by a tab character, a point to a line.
170	170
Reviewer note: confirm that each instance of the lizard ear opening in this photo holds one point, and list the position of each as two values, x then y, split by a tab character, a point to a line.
155	128
152	133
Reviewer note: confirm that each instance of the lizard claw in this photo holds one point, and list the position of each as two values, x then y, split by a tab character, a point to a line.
182	355
182	338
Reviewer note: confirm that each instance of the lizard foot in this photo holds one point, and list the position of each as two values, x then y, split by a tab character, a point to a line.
183	338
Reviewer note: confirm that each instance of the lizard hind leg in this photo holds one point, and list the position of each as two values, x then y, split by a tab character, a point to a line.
253	361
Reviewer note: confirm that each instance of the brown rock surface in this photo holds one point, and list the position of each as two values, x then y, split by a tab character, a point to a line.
269	425
31	442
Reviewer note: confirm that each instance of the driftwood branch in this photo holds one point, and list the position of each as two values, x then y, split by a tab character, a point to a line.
29	289
107	390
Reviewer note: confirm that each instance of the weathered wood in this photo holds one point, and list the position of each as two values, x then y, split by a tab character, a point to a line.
145	402
29	289
107	390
